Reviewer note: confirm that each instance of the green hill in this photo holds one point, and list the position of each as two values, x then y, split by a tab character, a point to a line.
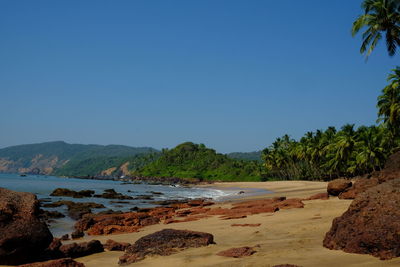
189	160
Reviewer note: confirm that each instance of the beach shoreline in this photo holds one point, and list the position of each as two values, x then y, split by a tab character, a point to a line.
291	236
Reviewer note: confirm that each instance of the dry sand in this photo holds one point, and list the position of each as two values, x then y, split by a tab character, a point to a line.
288	236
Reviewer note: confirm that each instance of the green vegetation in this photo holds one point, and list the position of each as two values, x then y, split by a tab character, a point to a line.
380	17
189	160
249	156
348	152
329	154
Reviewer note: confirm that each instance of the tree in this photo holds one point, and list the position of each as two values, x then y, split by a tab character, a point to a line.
389	103
380	17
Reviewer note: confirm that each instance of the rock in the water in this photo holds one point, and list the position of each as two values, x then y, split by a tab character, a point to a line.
76	209
65	192
112	194
165	242
22	235
237	252
113	245
337	186
371	225
66	262
77	234
76	250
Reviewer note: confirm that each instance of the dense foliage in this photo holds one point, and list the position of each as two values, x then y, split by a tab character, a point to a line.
256	155
189	160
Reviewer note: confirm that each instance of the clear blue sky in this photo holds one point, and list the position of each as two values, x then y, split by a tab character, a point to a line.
231	74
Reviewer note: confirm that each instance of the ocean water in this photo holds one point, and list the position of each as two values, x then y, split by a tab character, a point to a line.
42	186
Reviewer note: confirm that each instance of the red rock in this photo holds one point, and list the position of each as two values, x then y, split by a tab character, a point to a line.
165	242
237	252
23	237
358	187
247	224
371	225
113	245
337	186
322	196
66	262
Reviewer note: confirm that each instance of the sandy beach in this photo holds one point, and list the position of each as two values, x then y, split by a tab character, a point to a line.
291	236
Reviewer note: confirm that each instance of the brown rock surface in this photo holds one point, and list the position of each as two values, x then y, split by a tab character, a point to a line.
237	252
66	262
322	196
371	225
358	187
75	250
337	186
22	235
71	193
165	242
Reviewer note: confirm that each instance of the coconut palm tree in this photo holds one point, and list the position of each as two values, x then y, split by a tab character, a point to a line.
389	103
380	17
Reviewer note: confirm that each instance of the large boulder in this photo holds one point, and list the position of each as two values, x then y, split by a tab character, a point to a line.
23	237
65	192
337	186
75	250
164	243
371	225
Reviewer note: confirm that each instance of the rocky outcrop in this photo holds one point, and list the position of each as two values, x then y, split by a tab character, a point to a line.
358	187
22	235
119	223
337	186
128	222
371	225
65	192
76	250
113	245
66	262
165	242
237	252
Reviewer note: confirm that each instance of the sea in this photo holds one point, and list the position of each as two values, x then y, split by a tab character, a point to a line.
42	186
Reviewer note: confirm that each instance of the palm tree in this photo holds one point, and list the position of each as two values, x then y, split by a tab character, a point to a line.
389	103
380	17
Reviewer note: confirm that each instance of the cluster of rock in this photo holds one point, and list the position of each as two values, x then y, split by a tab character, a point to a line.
371	225
95	224
75	209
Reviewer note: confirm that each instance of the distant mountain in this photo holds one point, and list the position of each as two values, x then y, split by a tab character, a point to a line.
246	155
61	158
